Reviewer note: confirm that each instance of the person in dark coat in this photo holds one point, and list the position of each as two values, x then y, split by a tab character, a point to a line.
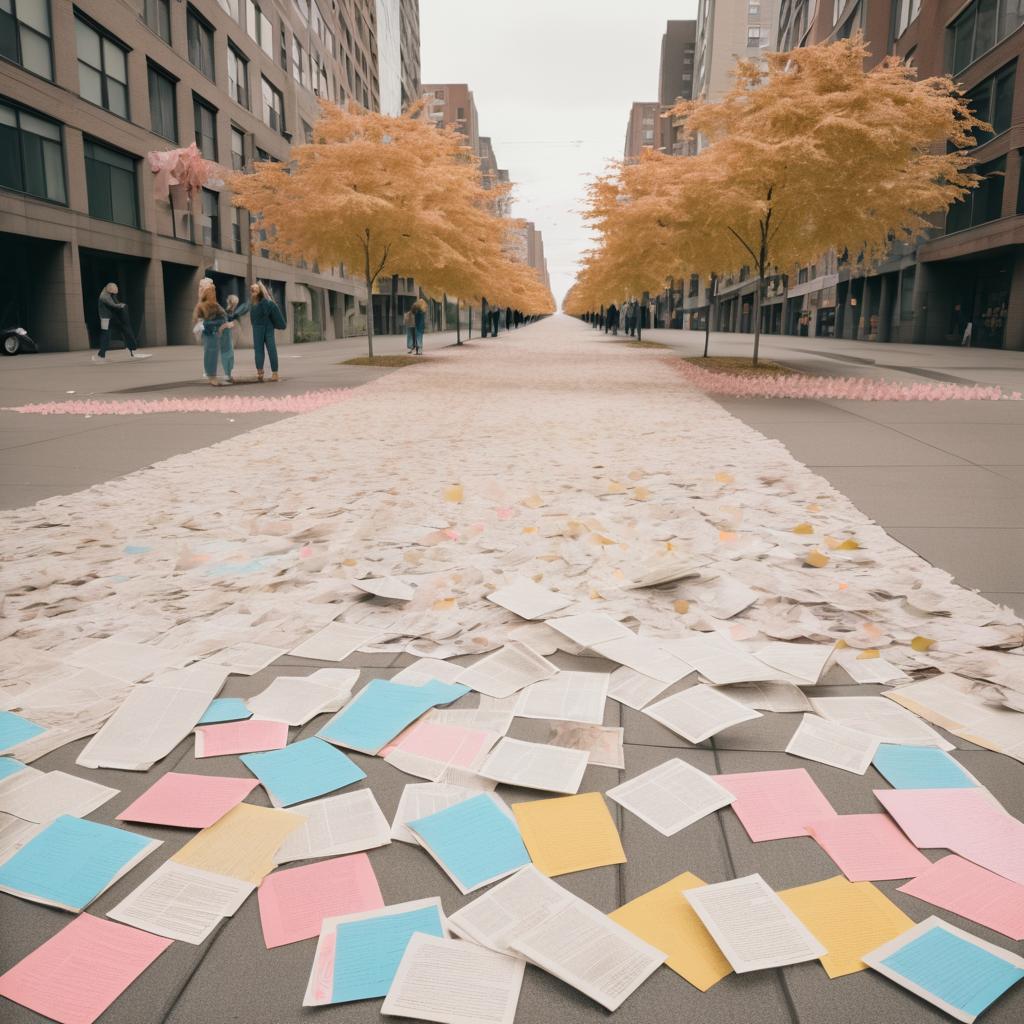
613	318
419	311
113	312
266	317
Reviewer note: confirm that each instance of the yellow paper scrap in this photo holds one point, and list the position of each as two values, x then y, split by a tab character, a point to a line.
444	604
663	918
816	559
641	493
596	595
803	528
453	493
814	507
681	606
724	478
841	645
569	833
242	844
726	536
529	529
921	643
636	474
534	501
600	538
849	545
871	652
848	918
614	487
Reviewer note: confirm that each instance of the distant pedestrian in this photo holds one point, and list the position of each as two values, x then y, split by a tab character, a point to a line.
968	333
631	317
495	319
216	341
409	323
419	323
485	318
113	313
508	318
266	317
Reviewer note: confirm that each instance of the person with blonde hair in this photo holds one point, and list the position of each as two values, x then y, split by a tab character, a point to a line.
265	316
419	312
211	315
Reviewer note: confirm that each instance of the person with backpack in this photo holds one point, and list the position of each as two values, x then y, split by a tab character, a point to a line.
265	316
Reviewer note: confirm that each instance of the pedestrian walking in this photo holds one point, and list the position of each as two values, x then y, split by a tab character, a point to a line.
113	313
613	319
265	316
968	333
630	317
216	341
419	308
409	323
495	319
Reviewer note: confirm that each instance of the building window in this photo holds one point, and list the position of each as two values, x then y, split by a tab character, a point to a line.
25	35
238	218
979	28
907	293
230	7
982	204
257	24
283	49
753	35
211	218
273	107
102	69
992	101
163	110
31	155
237	149
111	182
238	77
206	128
298	62
157	15
753	10
200	43
460	114
906	13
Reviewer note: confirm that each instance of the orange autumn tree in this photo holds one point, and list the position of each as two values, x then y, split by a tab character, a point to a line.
382	194
807	153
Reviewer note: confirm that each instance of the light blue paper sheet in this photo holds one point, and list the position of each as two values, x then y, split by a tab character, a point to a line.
367	953
920	768
14	730
474	840
71	861
382	709
303	770
225	709
958	972
9	767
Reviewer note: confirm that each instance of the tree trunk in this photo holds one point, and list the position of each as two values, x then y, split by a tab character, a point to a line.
369	304
757	306
458	321
470	325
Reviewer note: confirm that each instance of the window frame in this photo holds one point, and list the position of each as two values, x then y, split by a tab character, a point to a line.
194	17
241	62
265	86
198	102
98	144
104	36
18	110
157	6
214	217
239	132
153	70
24	26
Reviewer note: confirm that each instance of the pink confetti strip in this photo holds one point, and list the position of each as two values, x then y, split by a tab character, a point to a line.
231	404
856	388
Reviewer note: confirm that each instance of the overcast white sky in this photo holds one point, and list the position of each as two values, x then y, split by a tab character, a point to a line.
553	82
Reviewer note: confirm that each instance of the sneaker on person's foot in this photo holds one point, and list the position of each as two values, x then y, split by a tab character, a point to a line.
98	359
142	355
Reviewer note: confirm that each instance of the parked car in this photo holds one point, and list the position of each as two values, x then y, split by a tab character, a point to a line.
14	340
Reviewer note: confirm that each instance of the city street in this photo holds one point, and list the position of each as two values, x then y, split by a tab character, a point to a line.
564	456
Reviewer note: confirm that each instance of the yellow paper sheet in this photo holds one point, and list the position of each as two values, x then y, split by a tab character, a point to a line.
242	844
569	833
663	918
848	918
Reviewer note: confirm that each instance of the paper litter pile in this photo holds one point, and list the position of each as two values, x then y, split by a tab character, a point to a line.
694	570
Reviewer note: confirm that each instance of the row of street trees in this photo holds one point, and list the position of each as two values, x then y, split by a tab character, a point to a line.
392	195
806	154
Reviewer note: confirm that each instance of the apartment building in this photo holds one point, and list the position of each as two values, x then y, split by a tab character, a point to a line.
675	79
643	130
970	267
88	89
727	31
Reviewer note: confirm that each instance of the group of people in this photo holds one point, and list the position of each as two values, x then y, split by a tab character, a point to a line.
216	324
492	317
609	319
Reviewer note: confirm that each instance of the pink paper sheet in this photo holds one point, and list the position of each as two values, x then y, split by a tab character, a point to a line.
776	805
294	903
998	844
73	977
188	801
963	888
452	744
868	847
241	737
